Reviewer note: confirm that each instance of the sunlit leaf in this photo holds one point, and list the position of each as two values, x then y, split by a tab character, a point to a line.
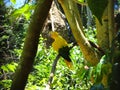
81	0
25	10
4	68
27	15
102	68
11	67
91	72
99	65
20	11
6	83
13	1
97	7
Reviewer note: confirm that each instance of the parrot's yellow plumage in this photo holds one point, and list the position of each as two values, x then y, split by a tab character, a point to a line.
61	46
59	41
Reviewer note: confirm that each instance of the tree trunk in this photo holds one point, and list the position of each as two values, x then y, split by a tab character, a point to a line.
73	17
31	44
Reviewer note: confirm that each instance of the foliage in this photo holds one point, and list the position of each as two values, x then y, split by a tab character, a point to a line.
78	78
64	78
82	77
25	10
7	74
11	40
91	34
9	67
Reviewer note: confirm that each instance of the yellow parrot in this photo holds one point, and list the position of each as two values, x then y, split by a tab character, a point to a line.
61	46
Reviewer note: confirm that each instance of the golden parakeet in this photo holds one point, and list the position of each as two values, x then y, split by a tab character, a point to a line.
61	46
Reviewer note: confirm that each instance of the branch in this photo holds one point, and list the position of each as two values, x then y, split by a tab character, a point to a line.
52	72
72	14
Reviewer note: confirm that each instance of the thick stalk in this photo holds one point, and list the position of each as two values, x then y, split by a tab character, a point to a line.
111	21
30	45
102	31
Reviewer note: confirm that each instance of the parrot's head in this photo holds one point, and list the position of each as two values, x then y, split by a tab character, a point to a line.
54	34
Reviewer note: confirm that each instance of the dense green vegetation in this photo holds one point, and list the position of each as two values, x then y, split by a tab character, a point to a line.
77	78
13	27
64	78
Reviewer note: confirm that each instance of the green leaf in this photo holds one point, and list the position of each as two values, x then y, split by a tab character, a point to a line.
27	15
5	83
98	73
25	10
21	10
103	59
100	64
97	7
81	0
11	67
90	72
99	67
4	68
13	1
5	37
